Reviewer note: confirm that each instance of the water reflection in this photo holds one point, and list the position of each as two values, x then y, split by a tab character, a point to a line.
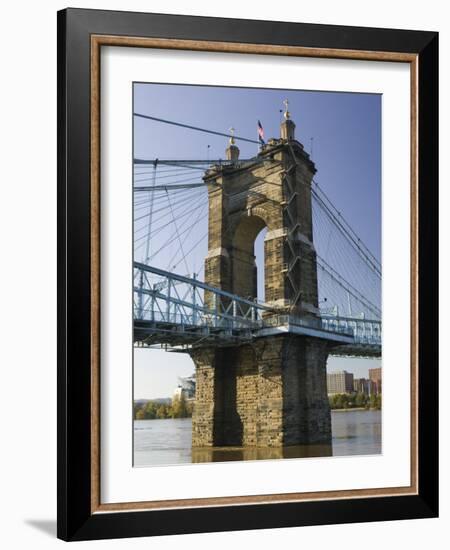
225	454
164	442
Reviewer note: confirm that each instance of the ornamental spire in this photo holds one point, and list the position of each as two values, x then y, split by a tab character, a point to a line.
287	129
232	151
232	130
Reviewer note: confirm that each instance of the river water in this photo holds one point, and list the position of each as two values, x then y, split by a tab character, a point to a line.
161	442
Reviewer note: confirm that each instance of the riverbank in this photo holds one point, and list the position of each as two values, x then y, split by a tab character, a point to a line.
350	409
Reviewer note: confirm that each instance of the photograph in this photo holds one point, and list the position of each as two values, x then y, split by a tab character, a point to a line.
247	273
234	240
257	274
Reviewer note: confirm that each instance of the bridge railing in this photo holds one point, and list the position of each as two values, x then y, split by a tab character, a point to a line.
161	296
364	331
180	302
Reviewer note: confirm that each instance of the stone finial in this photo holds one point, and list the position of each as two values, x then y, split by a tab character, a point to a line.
288	125
232	151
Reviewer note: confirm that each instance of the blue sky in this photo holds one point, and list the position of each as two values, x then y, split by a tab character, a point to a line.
346	147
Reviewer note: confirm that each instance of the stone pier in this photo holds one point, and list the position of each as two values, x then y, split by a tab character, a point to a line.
270	393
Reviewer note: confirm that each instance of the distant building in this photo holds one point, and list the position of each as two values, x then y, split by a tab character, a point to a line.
375	377
339	382
363	385
185	388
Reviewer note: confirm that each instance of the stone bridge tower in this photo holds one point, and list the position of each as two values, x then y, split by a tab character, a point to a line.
271	393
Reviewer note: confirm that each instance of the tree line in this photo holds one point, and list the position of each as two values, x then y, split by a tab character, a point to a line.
178	408
355	400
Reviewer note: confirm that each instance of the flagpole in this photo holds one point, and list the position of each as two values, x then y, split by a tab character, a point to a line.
260	135
258	146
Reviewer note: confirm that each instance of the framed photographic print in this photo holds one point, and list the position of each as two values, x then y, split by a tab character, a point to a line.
247	274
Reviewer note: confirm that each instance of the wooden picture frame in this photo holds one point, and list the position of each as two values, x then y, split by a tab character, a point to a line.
81	35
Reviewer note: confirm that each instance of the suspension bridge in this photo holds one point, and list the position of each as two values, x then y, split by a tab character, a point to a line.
170	220
196	283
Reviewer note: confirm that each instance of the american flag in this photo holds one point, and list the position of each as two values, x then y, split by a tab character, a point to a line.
260	133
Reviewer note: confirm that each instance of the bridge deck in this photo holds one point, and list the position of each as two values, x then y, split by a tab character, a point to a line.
171	311
183	338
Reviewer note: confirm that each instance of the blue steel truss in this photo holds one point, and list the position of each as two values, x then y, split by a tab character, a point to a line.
180	313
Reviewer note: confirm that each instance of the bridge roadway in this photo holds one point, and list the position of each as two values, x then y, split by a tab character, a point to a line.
170	312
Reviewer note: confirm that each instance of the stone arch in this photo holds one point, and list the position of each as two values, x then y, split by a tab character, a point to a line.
247	230
244	270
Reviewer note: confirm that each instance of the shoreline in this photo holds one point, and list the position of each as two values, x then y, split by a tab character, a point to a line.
332	410
354	409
